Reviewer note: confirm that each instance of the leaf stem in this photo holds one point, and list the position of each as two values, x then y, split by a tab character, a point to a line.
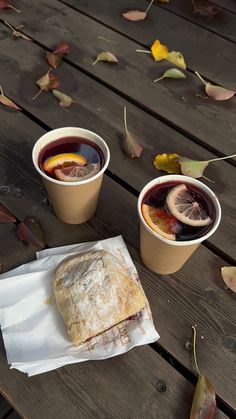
125	119
149	6
222	158
13	8
37	94
160	78
200	77
194	349
9	26
1	91
143	50
95	61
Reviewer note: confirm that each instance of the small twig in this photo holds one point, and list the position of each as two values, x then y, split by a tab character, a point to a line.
194	349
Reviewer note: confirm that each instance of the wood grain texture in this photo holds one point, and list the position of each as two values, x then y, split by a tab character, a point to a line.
4	407
101	111
195	295
207	121
227	4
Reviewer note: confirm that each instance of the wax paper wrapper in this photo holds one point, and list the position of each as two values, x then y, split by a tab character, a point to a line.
34	333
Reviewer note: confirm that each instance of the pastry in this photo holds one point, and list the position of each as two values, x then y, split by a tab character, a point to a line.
94	292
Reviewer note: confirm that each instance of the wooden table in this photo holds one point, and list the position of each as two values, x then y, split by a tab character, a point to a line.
155	381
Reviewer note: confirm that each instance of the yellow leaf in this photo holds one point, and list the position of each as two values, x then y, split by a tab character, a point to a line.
167	162
176	58
159	51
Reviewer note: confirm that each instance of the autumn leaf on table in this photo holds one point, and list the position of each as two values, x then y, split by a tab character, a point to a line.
172	73
31	231
106	56
54	58
216	92
167	162
130	146
8	102
47	82
195	168
205	8
136	15
63	48
204	401
229	276
5	4
159	51
6	216
64	100
176	58
16	33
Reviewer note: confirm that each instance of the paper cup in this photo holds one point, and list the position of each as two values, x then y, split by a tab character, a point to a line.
73	202
162	255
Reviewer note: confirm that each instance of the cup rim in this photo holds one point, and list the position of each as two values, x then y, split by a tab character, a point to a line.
60	133
185	179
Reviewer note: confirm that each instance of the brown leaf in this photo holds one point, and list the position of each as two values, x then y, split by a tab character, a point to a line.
205	8
229	276
130	146
8	102
62	49
6	216
5	4
64	100
54	60
47	82
31	231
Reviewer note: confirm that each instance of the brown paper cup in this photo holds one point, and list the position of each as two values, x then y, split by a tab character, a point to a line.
73	202
165	256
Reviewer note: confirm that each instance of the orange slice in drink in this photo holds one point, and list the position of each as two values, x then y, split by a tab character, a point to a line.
185	208
159	221
76	173
65	159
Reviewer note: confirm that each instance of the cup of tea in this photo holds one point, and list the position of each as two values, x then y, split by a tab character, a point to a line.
176	213
71	162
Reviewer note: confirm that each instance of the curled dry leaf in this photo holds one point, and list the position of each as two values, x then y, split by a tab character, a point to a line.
64	100
177	58
62	49
229	276
135	15
167	162
173	73
216	92
159	51
47	82
5	4
31	231
8	102
130	146
54	60
16	33
205	8
106	56
6	216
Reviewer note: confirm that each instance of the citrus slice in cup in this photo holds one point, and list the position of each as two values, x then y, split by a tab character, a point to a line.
183	205
65	159
159	221
76	173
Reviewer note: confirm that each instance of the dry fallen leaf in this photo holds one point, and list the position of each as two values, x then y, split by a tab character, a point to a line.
47	82
159	51
229	276
216	92
205	8
6	216
173	73
64	100
167	162
176	58
130	146
54	60
15	33
195	168
5	4
31	231
106	56
135	15
62	49
8	102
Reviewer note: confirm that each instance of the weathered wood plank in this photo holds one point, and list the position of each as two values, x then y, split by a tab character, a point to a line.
4	407
102	111
177	301
227	4
207	121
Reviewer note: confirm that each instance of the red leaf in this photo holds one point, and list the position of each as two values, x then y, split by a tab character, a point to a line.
5	4
205	8
134	15
6	216
62	49
8	102
31	231
54	60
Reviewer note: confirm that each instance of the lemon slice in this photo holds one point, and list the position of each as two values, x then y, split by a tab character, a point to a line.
76	173
160	221
67	159
185	208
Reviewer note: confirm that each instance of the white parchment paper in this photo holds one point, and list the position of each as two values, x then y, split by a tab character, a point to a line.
34	333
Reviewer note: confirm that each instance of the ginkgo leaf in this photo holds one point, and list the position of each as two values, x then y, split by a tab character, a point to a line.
167	162
64	100
216	92
5	4
176	58
6	216
8	102
47	82
205	8
62	49
195	168
159	51
172	73
229	276
106	56
135	15
130	146
31	231
54	60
